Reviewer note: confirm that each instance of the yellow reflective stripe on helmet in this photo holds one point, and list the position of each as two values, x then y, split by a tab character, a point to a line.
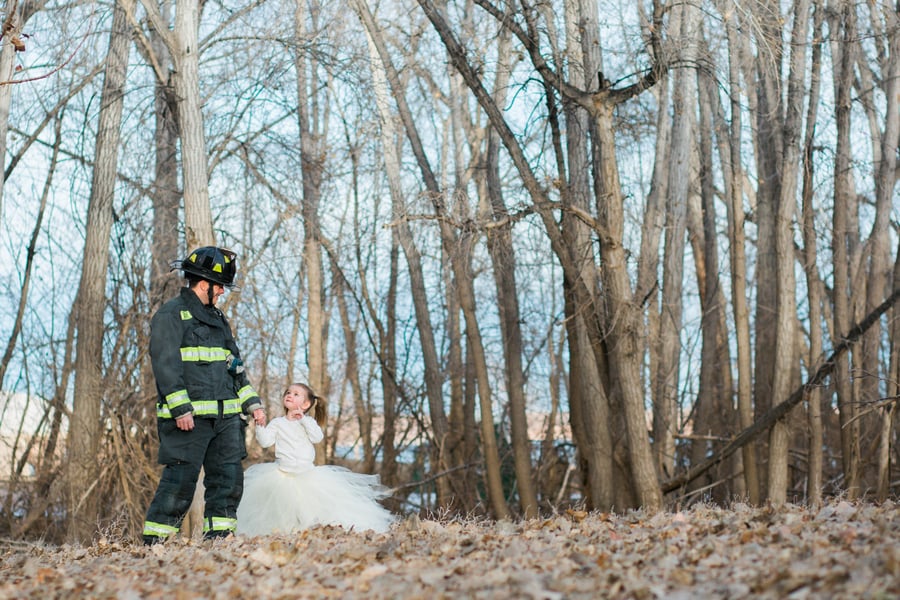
176	399
203	353
219	524
246	392
186	315
159	529
232	406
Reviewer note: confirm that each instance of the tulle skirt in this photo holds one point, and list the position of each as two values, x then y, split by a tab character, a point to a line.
278	502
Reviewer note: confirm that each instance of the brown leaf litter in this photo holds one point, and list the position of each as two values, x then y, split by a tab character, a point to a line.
843	550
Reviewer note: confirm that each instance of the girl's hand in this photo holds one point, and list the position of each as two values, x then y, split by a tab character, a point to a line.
259	417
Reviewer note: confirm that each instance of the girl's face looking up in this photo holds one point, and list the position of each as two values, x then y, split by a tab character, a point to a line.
296	400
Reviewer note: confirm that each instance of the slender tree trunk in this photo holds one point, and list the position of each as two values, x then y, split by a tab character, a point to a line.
166	192
463	497
589	397
769	148
29	259
623	315
878	283
198	230
648	284
730	150
500	247
467	305
678	156
382	74
841	239
312	159
890	409
84	429
813	282
713	412
786	305
387	345
351	370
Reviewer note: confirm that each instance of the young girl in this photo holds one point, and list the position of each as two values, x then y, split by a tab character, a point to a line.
291	493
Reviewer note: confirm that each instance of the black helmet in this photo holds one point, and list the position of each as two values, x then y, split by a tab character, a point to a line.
210	263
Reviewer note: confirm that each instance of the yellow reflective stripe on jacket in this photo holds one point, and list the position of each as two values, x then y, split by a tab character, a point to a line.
186	315
246	392
203	353
159	529
219	524
202	408
176	399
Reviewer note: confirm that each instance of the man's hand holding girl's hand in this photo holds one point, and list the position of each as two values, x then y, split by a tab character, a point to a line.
259	417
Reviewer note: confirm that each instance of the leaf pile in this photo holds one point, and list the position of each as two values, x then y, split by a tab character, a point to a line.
841	550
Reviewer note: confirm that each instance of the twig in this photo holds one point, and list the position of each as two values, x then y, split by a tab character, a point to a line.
415	484
779	411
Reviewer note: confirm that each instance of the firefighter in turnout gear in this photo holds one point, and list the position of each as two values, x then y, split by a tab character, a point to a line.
202	393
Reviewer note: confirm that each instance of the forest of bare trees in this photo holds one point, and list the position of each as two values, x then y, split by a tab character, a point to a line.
535	255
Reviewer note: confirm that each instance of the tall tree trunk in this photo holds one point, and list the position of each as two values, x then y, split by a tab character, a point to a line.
198	229
166	192
713	412
878	283
678	156
589	397
467	304
841	251
730	150
312	159
623	313
351	369
384	75
890	409
769	147
648	284
500	247
389	392
786	305
463	497
84	429
813	281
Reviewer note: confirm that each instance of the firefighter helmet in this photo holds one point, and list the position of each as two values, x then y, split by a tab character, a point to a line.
217	265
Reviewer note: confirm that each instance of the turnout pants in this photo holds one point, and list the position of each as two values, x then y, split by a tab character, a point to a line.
216	444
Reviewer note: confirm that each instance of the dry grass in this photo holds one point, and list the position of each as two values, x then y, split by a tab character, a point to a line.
843	550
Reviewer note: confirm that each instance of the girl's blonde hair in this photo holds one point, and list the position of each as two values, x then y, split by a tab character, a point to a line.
318	403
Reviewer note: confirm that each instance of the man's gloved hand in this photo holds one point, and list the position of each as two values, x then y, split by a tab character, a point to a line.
234	364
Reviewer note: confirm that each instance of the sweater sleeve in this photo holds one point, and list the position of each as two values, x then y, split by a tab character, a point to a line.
165	357
265	435
313	431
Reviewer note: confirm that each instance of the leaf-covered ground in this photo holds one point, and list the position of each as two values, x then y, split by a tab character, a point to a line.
843	550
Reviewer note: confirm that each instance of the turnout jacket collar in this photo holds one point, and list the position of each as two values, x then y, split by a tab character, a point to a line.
210	315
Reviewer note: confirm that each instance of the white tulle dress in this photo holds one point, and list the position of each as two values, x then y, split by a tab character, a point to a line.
292	493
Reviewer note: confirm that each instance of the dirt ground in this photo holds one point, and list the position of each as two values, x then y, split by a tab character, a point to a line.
843	550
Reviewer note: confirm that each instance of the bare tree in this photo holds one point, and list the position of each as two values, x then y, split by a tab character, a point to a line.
312	122
813	282
84	429
382	75
843	244
786	207
730	144
678	156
